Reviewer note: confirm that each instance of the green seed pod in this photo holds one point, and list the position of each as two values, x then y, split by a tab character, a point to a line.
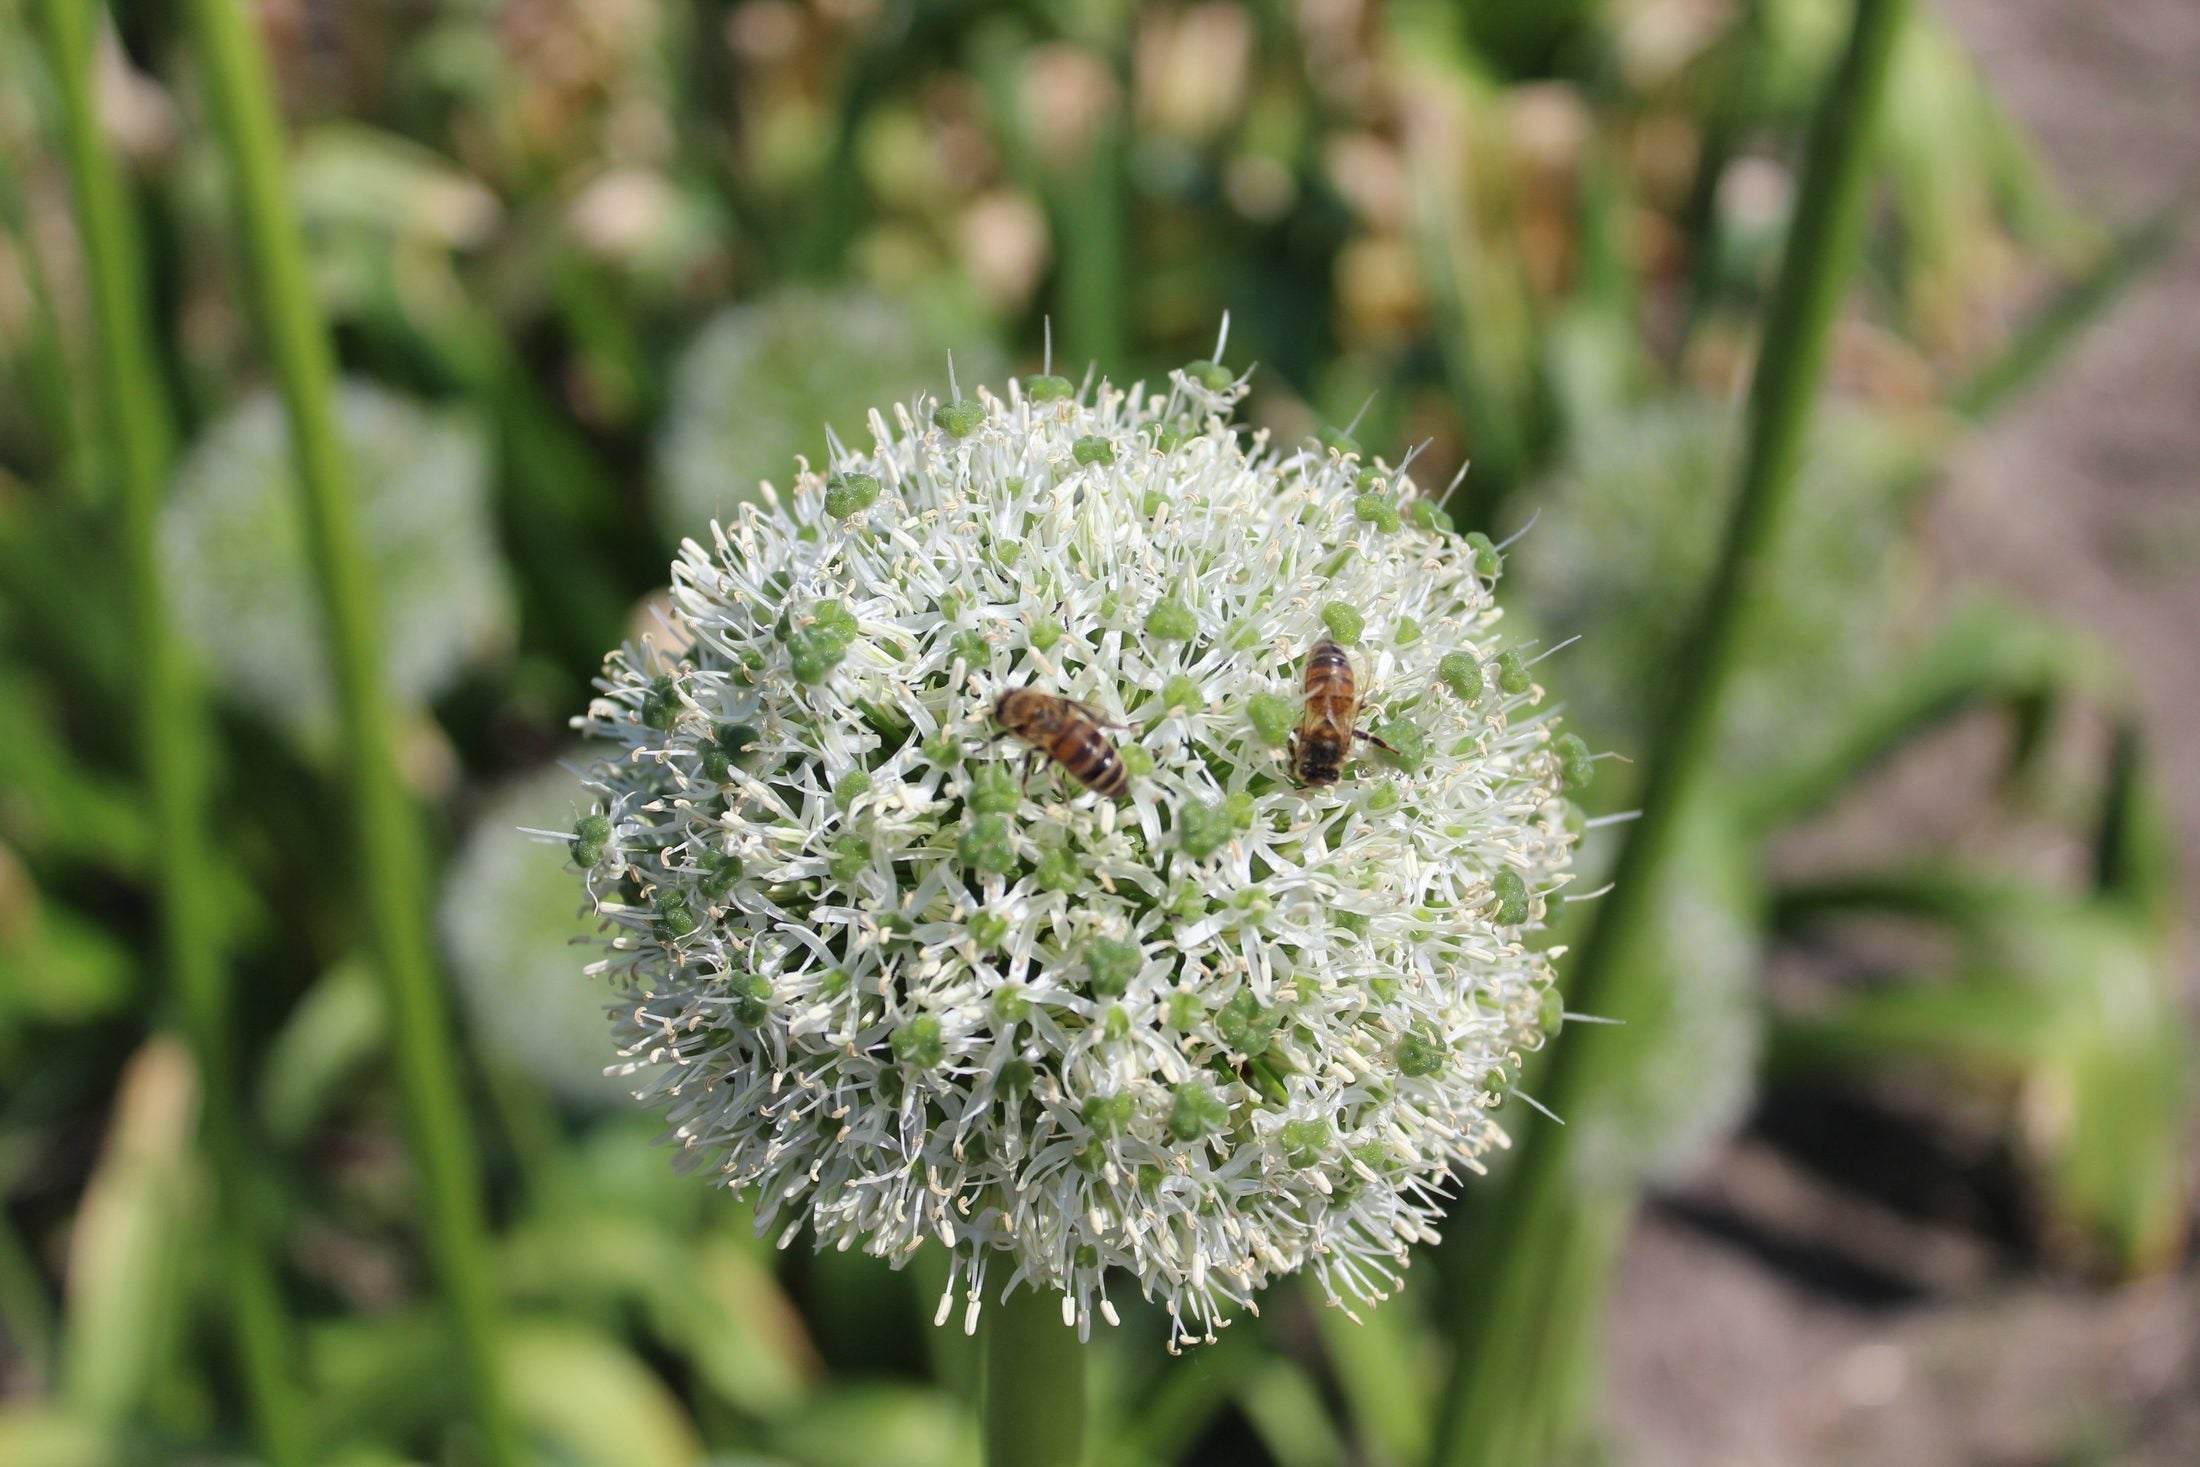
1213	376
1377	510
1196	1111
1045	632
971	648
1345	623
752	997
812	655
1463	675
995	791
851	787
1093	449
958	419
1273	716
719	871
987	843
1110	1115
1058	870
1421	1054
943	750
1305	1142
1512	674
1185	1011
1171	621
1575	766
918	1043
1245	1026
1181	695
847	495
674	920
591	839
1049	389
1111	964
1202	829
661	704
832	618
848	859
1510	889
1487	562
1428	515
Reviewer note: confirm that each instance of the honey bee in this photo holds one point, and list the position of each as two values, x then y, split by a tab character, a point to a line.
1067	732
1325	733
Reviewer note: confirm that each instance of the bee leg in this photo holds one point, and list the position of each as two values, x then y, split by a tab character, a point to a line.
1363	735
1031	767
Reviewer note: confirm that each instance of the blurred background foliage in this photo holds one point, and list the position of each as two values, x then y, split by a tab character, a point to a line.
596	270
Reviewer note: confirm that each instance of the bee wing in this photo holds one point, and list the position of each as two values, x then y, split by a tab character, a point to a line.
1094	714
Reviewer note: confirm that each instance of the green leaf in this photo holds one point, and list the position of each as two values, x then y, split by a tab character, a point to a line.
583	1398
331	1037
863	1426
128	1248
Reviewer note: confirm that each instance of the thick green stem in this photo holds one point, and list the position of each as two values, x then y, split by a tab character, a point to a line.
1820	250
1034	1384
172	729
391	861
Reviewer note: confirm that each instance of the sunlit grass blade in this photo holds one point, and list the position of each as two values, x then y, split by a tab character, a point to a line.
391	859
1488	1391
172	730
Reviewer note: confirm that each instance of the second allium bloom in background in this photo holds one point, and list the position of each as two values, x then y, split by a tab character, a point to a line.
1226	1027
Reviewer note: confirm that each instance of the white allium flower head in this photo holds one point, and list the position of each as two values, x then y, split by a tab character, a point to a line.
1225	1028
235	550
514	932
764	381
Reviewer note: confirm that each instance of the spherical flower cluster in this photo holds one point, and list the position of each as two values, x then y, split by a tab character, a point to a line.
1625	536
234	545
763	382
1225	1027
512	932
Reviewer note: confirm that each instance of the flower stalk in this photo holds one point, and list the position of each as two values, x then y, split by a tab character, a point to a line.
392	864
1034	1384
1511	1255
172	731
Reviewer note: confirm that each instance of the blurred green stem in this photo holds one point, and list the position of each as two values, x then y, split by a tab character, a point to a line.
1820	249
173	734
1034	1383
392	864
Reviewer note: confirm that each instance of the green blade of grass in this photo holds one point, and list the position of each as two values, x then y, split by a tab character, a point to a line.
1487	1393
2040	341
1984	653
172	727
392	864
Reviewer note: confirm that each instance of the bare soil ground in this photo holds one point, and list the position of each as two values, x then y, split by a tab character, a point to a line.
1782	1309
